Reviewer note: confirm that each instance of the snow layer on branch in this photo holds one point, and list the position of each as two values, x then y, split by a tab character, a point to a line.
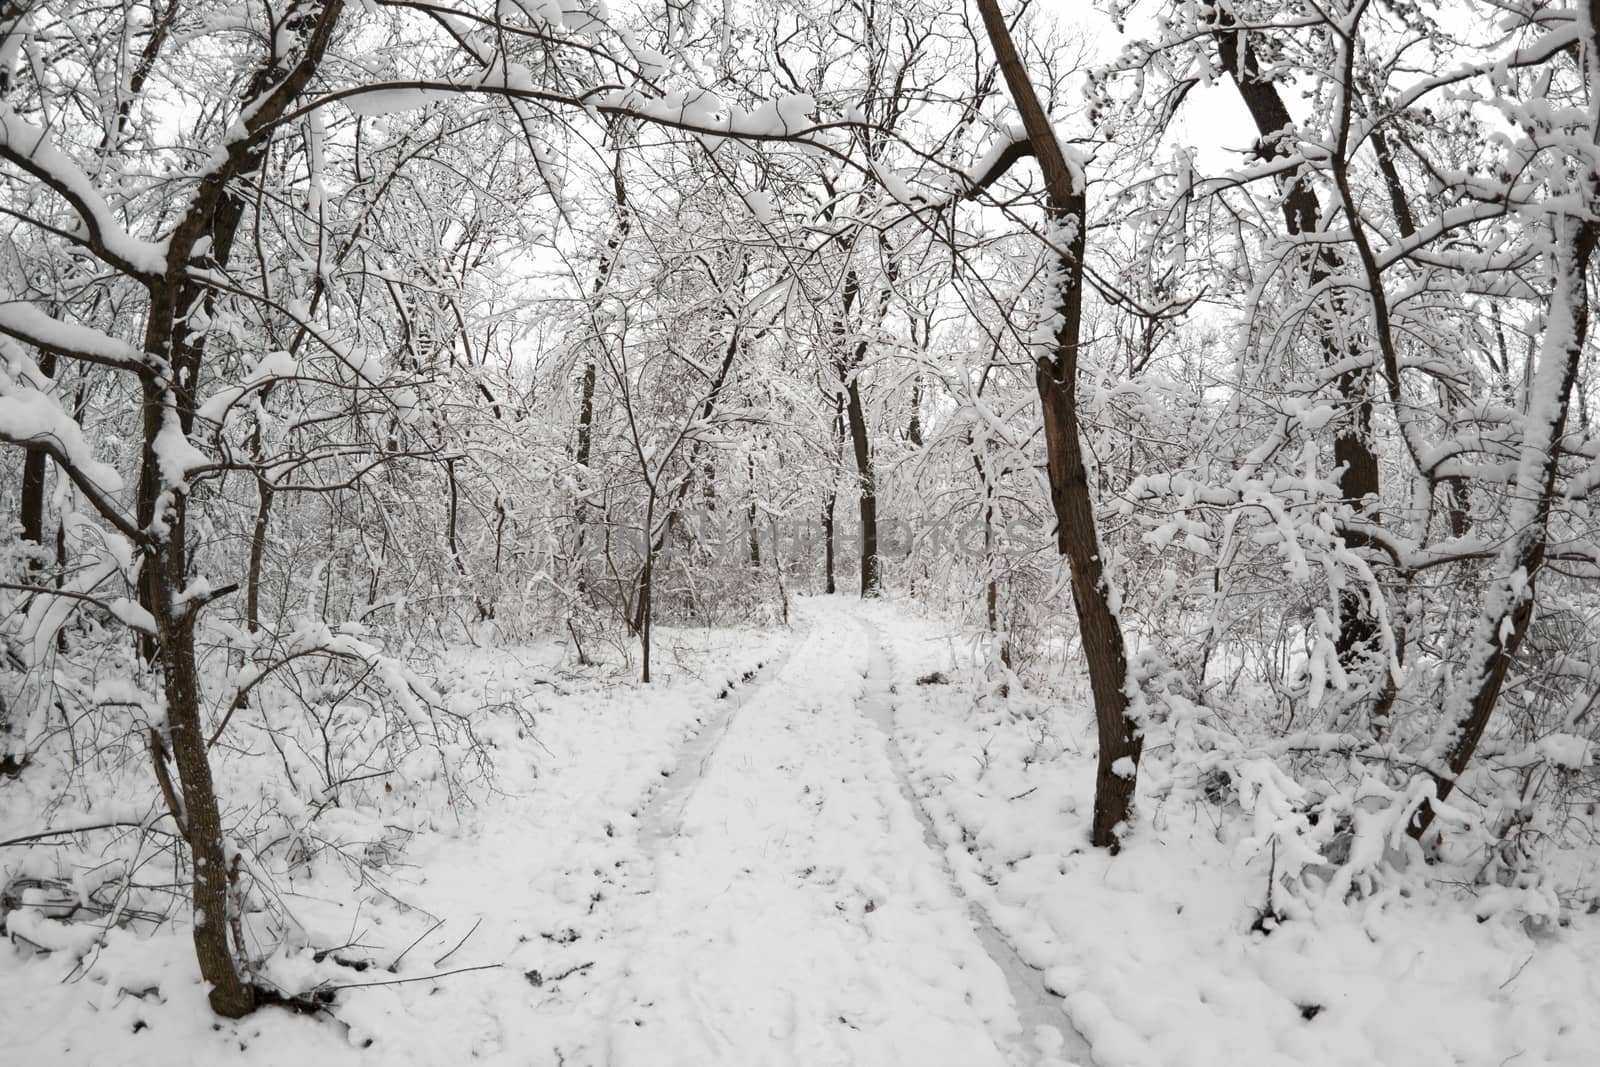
786	116
273	365
174	454
26	322
760	205
27	415
390	101
29	142
1011	134
896	186
779	117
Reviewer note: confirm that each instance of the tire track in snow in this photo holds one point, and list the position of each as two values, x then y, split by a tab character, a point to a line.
1040	1012
793	913
660	818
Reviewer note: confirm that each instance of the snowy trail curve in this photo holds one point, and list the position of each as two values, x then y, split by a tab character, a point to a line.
798	916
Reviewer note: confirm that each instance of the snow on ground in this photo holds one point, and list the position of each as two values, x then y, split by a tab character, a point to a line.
1153	951
524	882
712	874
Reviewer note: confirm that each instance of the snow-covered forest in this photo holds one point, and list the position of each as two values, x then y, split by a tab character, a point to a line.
799	532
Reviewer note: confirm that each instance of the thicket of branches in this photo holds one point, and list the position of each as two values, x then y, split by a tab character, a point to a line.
331	335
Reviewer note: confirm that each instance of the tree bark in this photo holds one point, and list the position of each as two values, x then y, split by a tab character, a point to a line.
1508	610
831	499
867	492
1352	449
214	214
1076	535
31	502
753	517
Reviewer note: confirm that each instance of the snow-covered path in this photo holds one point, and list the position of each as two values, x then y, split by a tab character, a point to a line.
728	868
795	913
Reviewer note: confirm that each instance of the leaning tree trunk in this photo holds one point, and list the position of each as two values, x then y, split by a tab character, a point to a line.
1076	536
1508	608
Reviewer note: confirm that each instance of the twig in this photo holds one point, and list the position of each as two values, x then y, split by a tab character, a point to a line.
463	941
1519	970
42	834
419	978
570	971
396	964
158	758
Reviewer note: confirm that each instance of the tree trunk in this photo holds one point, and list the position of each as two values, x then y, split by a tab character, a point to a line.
1076	535
991	595
753	518
1352	449
31	502
832	497
258	552
1509	606
172	652
647	581
829	585
871	578
211	224
585	415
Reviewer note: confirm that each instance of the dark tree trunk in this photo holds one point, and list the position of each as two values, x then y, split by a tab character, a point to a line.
753	518
213	216
258	552
914	427
871	578
1352	447
848	362
991	594
31	502
829	585
921	339
258	539
1509	608
585	415
646	616
831	498
1076	536
171	651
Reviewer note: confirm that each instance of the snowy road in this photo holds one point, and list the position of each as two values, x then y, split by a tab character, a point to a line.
795	913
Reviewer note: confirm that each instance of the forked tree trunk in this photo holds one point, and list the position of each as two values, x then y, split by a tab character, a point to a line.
848	362
1076	536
